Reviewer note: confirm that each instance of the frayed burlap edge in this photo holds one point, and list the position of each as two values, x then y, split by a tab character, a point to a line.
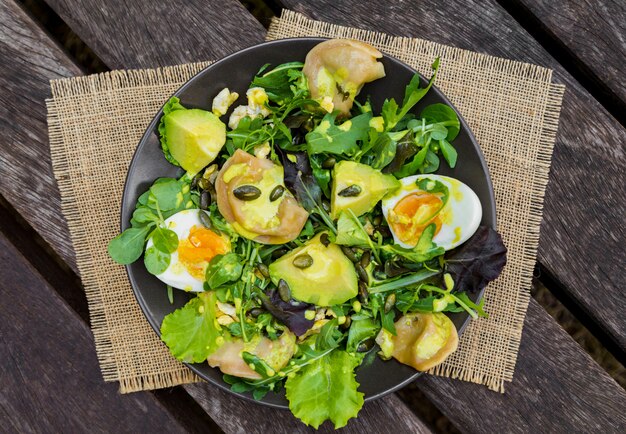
72	87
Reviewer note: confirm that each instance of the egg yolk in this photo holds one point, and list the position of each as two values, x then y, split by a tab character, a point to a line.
199	248
413	213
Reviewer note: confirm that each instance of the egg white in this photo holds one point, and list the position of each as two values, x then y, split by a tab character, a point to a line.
461	214
176	274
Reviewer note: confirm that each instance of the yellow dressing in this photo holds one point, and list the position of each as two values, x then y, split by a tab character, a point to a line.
234	170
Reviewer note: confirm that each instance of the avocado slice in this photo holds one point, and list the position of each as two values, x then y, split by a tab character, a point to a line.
367	185
194	137
329	280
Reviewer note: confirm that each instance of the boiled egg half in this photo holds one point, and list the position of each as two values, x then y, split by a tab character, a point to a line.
411	209
197	245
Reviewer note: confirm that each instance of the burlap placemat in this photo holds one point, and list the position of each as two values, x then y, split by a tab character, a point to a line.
96	121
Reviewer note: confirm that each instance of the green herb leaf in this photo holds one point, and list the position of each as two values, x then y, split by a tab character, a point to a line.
223	269
192	332
278	81
338	139
164	239
361	331
326	389
128	246
167	194
442	113
349	233
449	153
142	216
329	336
156	261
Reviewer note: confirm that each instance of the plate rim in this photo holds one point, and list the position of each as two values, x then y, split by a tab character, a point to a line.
153	124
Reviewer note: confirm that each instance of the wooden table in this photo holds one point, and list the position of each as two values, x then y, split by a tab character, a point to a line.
49	376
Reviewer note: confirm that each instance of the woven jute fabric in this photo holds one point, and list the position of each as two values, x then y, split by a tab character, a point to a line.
95	122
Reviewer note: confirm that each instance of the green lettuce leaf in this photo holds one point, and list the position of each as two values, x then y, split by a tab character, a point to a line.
192	333
326	390
172	105
338	139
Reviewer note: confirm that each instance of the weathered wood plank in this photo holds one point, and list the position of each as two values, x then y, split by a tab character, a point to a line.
386	415
592	32
557	388
49	376
229	420
145	33
583	235
29	60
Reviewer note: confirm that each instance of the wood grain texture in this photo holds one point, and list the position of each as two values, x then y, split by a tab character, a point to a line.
557	388
594	32
583	235
29	60
227	410
386	415
49	376
146	33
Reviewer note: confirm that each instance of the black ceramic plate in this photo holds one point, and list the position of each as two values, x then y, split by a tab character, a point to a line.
235	72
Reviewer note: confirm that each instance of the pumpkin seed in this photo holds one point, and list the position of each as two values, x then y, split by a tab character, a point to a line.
324	239
204	183
362	273
283	291
377	220
365	259
349	253
208	173
390	302
329	163
365	346
206	221
256	311
352	191
265	272
205	199
363	293
346	323
247	192
276	193
303	261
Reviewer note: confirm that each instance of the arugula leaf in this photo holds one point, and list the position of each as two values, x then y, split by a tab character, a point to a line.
330	138
476	262
172	105
278	81
223	269
412	95
349	233
128	246
360	331
329	336
192	333
326	389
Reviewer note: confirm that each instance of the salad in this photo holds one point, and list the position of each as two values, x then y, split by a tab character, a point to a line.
313	232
